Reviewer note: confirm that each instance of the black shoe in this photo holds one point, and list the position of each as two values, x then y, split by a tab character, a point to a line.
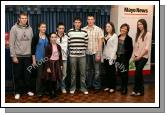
39	94
119	89
51	96
97	90
55	95
46	93
124	92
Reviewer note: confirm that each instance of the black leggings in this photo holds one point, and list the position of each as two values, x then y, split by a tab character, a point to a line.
52	87
139	81
123	69
109	78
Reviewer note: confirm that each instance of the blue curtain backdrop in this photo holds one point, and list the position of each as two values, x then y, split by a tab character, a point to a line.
52	15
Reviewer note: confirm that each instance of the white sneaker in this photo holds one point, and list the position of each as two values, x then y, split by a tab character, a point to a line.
139	94
64	91
30	93
112	90
72	92
133	93
17	96
106	89
85	92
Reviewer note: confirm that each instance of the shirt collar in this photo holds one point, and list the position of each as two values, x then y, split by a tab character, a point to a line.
78	29
92	27
61	36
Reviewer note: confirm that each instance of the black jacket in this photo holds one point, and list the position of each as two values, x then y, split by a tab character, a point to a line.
34	43
48	54
128	47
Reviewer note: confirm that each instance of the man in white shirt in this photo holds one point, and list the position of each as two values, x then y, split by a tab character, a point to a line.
63	42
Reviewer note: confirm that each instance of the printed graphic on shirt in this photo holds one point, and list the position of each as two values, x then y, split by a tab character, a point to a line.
24	37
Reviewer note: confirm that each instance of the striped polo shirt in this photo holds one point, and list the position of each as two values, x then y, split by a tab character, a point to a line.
77	42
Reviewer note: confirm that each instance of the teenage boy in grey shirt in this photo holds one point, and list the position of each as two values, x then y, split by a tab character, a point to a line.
20	50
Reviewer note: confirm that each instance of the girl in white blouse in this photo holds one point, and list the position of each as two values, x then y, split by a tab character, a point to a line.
109	56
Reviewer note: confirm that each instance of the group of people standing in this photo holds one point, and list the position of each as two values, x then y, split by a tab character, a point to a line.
86	47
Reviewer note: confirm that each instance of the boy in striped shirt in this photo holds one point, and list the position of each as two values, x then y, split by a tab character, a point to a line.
77	43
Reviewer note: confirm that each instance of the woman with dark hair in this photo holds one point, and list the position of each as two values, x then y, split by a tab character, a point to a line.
109	56
140	55
39	42
53	65
124	52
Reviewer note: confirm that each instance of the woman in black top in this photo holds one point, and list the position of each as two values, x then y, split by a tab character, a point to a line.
124	52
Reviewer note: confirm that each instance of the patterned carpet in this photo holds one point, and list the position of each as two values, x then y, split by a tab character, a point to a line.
93	97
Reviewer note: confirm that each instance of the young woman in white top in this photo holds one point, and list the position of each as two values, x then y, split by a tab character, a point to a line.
109	56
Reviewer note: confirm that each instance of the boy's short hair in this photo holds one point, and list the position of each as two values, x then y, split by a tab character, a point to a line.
77	18
60	24
23	14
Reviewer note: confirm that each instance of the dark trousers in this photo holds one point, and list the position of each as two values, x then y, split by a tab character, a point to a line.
39	81
110	77
22	77
52	87
123	68
139	81
92	72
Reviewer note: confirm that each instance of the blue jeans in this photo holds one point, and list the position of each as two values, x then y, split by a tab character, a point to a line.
82	66
64	71
92	72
